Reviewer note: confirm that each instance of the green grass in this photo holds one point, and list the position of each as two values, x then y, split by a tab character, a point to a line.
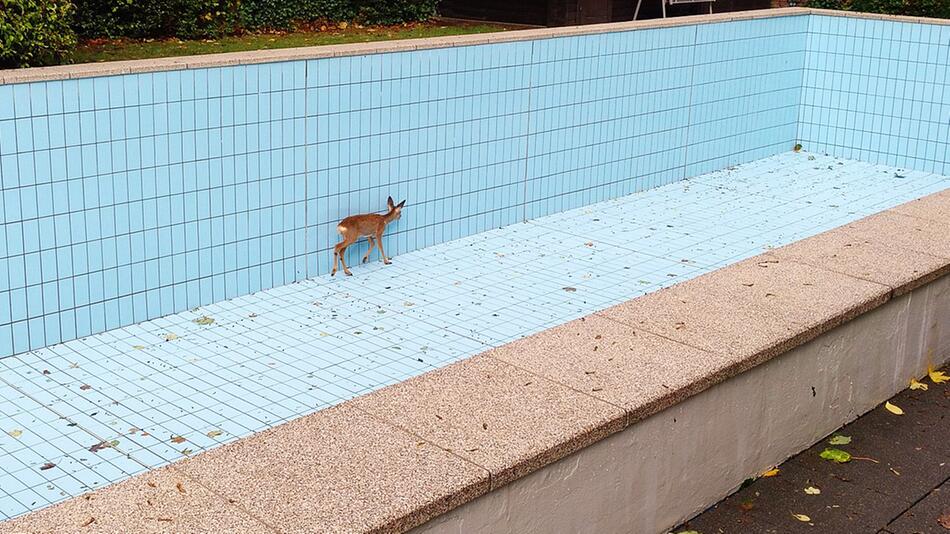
116	50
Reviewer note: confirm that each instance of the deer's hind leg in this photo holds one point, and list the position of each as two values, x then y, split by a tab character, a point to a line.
338	252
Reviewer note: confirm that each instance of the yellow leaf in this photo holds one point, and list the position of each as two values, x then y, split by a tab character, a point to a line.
214	433
937	377
204	320
893	409
171	336
802	517
138	347
16	433
812	490
771	472
914	384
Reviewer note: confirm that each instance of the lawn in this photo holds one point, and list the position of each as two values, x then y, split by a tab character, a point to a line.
119	49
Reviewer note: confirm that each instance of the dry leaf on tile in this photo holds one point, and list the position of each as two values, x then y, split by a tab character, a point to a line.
15	433
204	320
178	439
171	336
214	433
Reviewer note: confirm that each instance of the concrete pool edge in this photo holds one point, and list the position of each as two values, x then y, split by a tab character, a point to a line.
114	68
397	458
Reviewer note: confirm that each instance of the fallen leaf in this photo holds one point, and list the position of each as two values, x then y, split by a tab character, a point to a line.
151	484
408	304
771	472
84	387
187	452
204	320
893	409
103	445
837	456
569	289
914	384
88	522
180	487
214	433
178	439
171	336
747	506
47	465
937	377
588	244
812	490
802	517
138	347
15	433
839	440
45	371
797	147
944	520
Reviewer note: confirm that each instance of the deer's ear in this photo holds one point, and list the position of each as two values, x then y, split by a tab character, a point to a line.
389	202
401	204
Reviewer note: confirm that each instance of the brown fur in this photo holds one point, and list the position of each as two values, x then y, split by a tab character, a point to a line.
368	225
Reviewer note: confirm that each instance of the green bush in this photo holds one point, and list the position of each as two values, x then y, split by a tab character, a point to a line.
154	18
915	8
212	18
35	32
394	11
283	14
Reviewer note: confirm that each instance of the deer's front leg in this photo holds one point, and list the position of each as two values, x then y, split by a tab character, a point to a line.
379	244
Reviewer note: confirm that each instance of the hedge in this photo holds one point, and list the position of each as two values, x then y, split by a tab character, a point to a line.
915	8
212	18
35	32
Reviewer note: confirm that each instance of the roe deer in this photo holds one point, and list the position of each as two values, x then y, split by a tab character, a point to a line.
368	225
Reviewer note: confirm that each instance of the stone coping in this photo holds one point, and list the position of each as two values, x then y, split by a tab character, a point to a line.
111	68
395	458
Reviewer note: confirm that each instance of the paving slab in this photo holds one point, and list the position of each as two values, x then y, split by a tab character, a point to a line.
340	470
931	515
935	207
496	415
641	372
790	303
163	500
896	482
868	259
902	231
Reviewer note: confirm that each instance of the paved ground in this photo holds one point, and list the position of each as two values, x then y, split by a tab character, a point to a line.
89	412
897	483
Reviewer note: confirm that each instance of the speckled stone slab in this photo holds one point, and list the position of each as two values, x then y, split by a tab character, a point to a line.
865	257
163	500
935	207
496	415
753	310
339	470
631	368
904	232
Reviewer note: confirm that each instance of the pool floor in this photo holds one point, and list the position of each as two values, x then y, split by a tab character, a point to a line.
90	412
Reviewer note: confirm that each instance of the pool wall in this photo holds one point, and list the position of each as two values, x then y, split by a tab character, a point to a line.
878	91
132	196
